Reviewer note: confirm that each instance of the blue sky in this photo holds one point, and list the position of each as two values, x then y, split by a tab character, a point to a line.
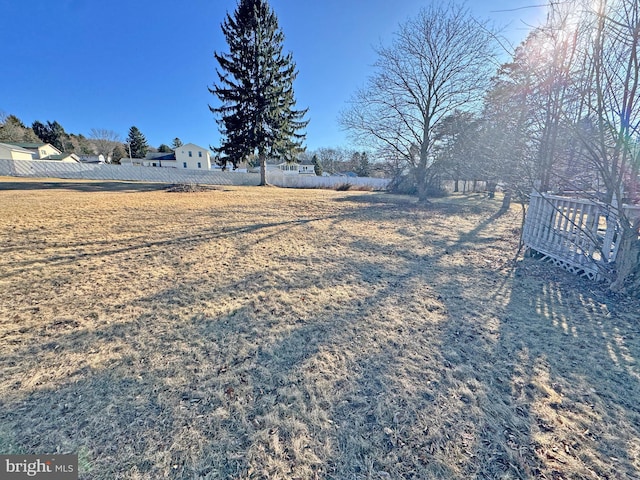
113	64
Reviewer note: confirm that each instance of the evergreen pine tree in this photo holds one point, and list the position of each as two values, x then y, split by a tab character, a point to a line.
137	143
317	168
257	115
52	133
364	167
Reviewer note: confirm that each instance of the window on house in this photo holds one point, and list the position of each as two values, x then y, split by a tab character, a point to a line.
184	164
200	154
190	153
154	164
199	165
43	152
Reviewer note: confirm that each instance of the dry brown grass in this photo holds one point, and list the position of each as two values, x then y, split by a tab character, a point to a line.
288	334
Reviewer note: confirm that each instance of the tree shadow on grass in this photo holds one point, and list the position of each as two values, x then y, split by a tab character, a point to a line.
579	377
89	187
247	390
16	267
382	362
10	267
556	372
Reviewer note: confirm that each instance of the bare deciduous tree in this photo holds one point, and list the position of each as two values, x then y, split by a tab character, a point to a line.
610	126
439	62
105	142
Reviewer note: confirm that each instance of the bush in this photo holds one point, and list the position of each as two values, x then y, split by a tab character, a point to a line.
405	185
436	192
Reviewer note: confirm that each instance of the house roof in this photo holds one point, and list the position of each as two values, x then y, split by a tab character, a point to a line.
191	145
160	156
33	145
62	156
15	148
26	144
91	158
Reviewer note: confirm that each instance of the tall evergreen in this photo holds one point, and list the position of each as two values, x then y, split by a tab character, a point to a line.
51	132
257	115
138	145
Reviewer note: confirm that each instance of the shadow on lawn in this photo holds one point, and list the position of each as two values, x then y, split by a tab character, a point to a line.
96	186
13	267
578	373
557	374
16	267
425	368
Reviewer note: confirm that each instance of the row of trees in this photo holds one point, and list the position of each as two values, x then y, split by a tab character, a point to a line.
561	115
335	160
100	141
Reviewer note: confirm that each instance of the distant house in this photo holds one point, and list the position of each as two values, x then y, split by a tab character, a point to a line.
288	168
64	157
45	151
189	156
94	159
306	167
13	152
193	157
160	159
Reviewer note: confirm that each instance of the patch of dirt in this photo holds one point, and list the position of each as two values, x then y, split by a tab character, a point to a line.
190	188
279	333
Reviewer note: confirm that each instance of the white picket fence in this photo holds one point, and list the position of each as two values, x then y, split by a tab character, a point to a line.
579	235
53	169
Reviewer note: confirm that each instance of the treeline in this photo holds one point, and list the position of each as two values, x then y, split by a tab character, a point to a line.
100	141
341	160
561	115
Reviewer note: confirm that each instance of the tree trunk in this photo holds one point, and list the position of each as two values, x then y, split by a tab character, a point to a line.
491	188
628	261
422	192
456	189
263	171
506	201
420	179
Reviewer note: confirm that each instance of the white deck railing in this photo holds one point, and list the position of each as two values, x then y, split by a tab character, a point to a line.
580	235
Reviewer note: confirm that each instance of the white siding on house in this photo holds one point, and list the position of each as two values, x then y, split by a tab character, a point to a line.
11	152
45	150
194	157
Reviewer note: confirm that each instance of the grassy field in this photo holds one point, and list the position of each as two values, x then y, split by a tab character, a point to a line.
288	334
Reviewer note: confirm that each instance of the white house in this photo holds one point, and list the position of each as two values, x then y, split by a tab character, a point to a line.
306	167
45	151
189	156
288	168
193	157
97	159
284	167
13	152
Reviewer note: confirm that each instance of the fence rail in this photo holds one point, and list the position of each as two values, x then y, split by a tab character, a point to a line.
44	168
580	235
